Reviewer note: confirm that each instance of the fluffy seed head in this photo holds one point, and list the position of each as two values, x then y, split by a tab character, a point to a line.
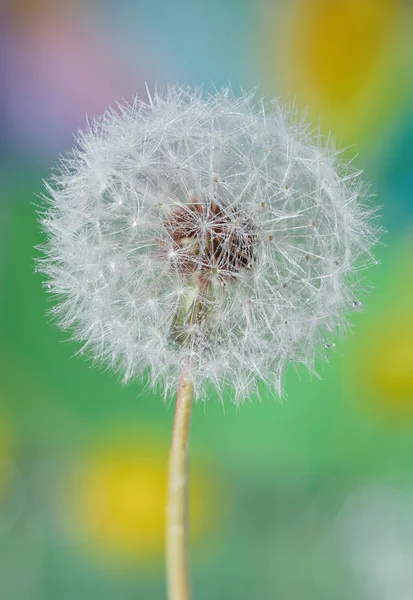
215	231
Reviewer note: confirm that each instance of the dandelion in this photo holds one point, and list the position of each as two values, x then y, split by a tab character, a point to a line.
207	239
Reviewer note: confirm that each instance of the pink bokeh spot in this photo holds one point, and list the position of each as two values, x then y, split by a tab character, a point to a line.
60	71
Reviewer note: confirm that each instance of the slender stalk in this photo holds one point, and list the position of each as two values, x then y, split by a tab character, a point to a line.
177	519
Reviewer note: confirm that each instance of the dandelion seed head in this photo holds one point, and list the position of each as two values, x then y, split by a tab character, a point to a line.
212	230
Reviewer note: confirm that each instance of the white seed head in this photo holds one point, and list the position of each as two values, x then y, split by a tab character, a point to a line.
211	230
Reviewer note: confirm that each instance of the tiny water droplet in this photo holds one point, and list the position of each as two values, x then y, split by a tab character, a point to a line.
356	304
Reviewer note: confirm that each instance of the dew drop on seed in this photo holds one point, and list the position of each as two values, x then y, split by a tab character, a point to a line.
356	304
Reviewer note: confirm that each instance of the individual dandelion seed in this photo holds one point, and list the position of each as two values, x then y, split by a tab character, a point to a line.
211	239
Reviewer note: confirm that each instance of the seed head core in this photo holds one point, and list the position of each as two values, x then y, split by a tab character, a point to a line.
209	240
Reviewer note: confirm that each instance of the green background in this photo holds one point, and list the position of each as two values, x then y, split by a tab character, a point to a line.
309	497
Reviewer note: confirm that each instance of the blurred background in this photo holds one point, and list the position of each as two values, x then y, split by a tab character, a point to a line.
309	498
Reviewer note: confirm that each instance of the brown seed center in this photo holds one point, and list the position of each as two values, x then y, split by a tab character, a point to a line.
208	239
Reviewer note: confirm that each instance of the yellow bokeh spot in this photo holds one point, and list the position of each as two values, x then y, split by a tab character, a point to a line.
383	358
389	369
121	499
338	44
338	57
395	371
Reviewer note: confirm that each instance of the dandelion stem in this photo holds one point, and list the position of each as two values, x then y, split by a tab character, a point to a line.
177	520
